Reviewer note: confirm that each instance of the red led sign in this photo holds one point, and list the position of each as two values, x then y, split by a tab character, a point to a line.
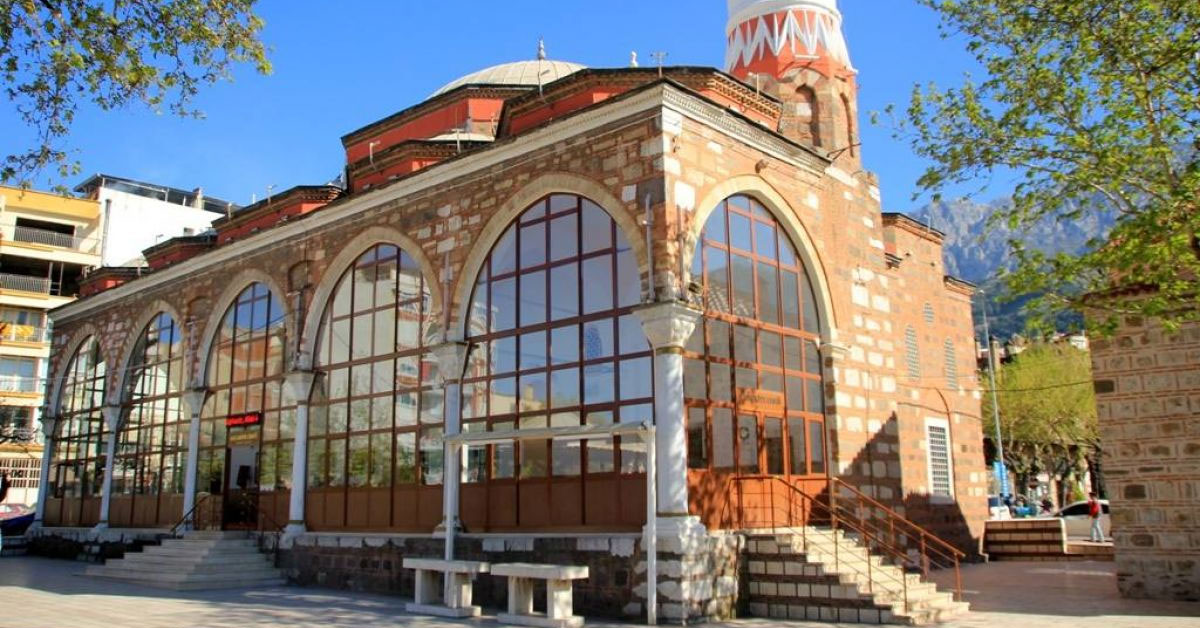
239	420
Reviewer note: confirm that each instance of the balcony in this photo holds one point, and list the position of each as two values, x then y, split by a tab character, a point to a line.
12	332
45	237
25	283
20	384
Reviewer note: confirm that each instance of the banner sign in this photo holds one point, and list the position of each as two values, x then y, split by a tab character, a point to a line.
1001	477
241	420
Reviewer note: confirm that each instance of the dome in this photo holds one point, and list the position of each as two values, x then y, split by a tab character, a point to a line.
515	73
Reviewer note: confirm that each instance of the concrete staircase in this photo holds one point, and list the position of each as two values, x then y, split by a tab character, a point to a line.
797	576
199	560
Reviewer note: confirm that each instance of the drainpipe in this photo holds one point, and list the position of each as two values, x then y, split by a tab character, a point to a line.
104	231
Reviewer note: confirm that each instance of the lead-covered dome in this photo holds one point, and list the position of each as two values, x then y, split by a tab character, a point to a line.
516	73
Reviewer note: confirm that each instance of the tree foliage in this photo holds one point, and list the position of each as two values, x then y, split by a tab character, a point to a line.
58	55
1047	410
1096	106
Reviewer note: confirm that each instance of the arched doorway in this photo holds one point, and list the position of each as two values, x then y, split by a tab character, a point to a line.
77	470
752	368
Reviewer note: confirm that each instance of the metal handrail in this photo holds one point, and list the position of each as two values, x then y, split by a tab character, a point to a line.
188	516
20	383
939	545
22	333
871	536
50	238
24	283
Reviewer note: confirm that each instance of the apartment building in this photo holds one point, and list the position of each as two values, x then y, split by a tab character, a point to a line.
47	243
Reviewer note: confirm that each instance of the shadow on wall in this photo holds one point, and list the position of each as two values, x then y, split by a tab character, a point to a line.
877	471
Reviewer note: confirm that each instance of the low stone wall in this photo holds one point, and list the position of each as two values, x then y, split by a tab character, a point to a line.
698	576
89	544
1025	539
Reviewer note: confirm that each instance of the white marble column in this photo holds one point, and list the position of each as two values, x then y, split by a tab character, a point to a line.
194	400
297	388
668	325
112	421
49	429
451	358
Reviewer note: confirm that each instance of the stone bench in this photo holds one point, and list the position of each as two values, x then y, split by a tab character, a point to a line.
559	604
458	575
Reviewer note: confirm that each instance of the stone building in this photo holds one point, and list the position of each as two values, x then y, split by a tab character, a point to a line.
523	274
1147	383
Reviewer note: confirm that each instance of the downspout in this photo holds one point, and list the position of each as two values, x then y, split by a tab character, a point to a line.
104	231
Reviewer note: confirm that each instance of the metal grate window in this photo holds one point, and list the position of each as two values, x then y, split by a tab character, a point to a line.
928	313
950	369
938	441
912	358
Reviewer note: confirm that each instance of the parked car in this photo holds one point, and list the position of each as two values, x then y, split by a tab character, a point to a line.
1075	518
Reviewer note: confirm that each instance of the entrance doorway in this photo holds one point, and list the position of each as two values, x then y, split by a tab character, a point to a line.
241	495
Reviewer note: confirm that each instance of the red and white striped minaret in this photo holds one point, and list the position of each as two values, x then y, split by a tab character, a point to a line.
795	50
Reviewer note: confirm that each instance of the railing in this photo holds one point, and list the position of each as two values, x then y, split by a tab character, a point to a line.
53	238
24	283
17	383
13	332
884	532
14	434
208	513
204	515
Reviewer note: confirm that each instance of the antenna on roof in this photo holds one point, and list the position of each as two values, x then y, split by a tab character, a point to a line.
659	57
541	53
633	62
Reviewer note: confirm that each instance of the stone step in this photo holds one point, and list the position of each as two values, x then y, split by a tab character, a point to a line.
230	582
930	616
242	543
131	572
232	561
215	534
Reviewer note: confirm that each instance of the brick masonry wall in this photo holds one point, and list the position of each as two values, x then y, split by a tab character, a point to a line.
1147	383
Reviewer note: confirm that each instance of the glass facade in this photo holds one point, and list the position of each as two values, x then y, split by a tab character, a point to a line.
376	416
79	448
752	368
147	482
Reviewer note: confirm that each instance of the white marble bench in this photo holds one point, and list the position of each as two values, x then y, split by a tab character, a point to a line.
458	576
559	605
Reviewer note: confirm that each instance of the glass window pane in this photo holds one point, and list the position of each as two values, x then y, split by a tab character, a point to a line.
564	345
743	286
598	383
636	379
504	355
816	438
629	280
533	452
564	232
796	448
431	456
597	228
768	293
722	438
739	231
564	388
564	291
600	451
716	279
406	458
504	305
697	435
359	457
814	400
533	350
598	339
773	444
533	298
533	393
503	455
565	453
597	276
747	443
714	227
533	245
744	349
504	253
770	349
632	337
764	240
720	381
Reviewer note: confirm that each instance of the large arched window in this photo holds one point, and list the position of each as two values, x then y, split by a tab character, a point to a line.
244	420
147	486
752	370
79	448
375	428
554	343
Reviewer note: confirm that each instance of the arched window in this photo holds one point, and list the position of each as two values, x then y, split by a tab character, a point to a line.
375	428
555	343
147	486
79	448
807	107
950	368
244	420
912	355
846	110
752	369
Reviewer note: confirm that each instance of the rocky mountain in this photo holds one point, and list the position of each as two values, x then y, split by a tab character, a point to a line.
976	251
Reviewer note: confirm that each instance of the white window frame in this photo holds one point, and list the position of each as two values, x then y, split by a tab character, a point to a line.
944	424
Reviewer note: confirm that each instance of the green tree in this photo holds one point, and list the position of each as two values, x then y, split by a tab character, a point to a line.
1047	412
58	55
1096	106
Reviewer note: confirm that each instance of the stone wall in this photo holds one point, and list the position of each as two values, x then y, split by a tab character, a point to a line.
1147	384
698	579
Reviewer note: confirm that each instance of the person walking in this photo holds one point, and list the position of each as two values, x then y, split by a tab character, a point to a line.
1094	511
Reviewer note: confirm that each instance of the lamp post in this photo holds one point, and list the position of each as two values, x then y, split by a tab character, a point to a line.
987	338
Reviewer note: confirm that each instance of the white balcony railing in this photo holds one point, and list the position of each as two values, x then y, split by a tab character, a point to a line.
24	283
19	383
53	238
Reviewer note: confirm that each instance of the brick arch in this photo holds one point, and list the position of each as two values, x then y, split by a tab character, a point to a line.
546	184
78	337
220	304
351	251
156	307
756	187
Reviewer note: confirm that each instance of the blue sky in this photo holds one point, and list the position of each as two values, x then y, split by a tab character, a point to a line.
338	66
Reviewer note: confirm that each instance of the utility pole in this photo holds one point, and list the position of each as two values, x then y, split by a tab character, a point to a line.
987	338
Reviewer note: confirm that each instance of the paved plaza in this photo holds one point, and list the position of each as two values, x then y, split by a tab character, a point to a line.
44	593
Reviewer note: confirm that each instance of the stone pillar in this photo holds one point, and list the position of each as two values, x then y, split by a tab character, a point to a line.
297	388
49	428
667	325
451	358
194	400
112	421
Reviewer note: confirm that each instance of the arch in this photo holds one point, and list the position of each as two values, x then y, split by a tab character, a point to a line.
550	183
78	337
156	307
350	252
763	192
221	304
